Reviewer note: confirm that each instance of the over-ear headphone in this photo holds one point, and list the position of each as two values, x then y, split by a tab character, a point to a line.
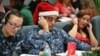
4	18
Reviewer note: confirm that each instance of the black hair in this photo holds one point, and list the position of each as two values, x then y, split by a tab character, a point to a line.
19	4
1	16
32	5
76	4
9	13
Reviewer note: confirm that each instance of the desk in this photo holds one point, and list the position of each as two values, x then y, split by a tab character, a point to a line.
78	53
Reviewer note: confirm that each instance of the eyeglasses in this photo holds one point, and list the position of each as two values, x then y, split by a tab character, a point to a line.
14	26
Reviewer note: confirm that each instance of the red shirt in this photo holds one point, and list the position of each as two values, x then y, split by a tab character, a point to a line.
63	10
84	39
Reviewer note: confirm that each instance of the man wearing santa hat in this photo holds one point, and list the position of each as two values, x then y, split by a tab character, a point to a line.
46	32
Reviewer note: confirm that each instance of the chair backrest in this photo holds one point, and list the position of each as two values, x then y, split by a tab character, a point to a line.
26	29
62	24
96	27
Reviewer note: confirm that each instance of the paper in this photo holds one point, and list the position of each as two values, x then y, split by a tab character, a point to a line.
28	55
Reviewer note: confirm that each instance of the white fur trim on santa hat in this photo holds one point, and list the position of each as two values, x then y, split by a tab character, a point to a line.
48	13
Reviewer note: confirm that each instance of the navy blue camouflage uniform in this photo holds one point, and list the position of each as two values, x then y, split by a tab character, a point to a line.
56	39
11	44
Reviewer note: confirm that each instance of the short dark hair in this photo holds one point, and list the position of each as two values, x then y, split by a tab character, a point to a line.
12	12
18	4
1	16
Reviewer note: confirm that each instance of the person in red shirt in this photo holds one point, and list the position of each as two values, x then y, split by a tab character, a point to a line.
81	29
64	7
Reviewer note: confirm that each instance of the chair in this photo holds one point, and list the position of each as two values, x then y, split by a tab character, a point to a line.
96	27
62	24
26	29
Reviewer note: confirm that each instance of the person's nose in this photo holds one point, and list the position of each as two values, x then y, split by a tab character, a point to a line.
53	22
16	29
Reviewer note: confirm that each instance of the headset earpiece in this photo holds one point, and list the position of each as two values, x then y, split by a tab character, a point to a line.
3	20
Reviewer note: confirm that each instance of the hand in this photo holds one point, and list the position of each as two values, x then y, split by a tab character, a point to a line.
75	20
95	48
89	26
40	53
43	23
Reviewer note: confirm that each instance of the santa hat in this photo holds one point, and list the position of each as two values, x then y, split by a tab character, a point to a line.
44	9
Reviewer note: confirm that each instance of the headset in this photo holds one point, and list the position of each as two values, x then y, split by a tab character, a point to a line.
4	18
